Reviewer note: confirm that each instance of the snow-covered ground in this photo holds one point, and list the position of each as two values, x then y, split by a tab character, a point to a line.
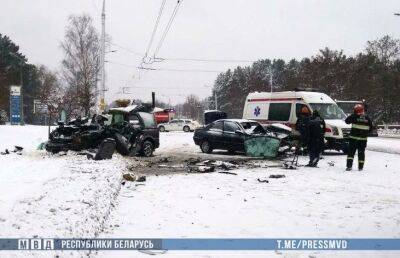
70	196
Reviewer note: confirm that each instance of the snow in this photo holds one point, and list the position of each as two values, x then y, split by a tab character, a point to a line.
70	196
387	145
125	109
53	196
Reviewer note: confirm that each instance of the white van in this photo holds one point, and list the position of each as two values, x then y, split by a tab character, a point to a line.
284	107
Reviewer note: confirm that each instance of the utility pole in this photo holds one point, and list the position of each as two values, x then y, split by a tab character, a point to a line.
102	103
270	77
215	99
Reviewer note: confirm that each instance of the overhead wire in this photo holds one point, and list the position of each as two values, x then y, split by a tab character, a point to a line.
126	49
168	27
164	69
207	60
155	27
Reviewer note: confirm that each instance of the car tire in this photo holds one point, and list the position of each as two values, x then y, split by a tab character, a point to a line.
161	128
147	148
186	129
205	147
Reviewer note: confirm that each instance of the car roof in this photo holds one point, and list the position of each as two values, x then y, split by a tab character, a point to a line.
236	120
307	96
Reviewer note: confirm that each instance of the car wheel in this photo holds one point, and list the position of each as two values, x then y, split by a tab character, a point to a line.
186	129
147	148
206	147
162	129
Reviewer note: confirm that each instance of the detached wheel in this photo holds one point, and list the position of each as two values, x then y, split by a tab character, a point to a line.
161	128
186	129
147	149
206	147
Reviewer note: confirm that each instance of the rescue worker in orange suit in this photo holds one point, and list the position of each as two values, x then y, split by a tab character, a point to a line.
361	126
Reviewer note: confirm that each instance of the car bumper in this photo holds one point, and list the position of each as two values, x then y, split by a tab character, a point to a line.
337	143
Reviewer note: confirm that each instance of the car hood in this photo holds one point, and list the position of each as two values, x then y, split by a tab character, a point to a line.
337	122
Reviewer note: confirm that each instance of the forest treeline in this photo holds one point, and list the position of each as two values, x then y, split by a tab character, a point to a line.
373	75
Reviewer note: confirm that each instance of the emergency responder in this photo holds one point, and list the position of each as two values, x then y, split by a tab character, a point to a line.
301	125
316	131
361	126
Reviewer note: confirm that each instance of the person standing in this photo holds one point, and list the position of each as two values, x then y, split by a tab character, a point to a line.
316	132
361	126
302	125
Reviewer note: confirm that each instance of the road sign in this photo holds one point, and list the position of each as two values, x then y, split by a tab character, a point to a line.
15	105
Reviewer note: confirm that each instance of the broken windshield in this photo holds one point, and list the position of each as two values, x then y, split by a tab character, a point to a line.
252	128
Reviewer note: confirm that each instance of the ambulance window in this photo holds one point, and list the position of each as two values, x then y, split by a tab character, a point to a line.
279	111
299	106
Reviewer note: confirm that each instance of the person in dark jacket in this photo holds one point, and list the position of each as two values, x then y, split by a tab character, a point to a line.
361	126
302	124
316	130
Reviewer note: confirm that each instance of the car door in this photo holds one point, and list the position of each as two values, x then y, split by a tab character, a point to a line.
171	126
232	139
215	135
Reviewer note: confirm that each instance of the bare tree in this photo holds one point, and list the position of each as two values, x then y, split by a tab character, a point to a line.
387	49
49	92
81	64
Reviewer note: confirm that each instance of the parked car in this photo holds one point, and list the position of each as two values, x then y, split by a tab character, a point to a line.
284	107
185	125
226	134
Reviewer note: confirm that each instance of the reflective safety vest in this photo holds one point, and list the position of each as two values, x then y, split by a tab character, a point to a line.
361	125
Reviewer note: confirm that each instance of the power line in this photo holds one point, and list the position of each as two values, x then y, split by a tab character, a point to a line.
164	69
167	28
179	70
126	49
208	60
167	88
155	27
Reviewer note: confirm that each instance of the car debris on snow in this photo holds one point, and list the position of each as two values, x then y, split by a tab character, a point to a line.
277	176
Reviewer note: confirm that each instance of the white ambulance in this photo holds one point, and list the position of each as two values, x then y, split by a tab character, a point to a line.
284	107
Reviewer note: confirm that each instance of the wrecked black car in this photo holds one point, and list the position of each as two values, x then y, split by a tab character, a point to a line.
132	128
245	136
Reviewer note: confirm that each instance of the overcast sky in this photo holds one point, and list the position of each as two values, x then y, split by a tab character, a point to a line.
202	29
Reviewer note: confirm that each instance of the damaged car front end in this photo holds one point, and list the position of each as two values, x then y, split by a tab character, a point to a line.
132	128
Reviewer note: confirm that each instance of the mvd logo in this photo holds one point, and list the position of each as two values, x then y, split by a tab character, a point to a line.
36	244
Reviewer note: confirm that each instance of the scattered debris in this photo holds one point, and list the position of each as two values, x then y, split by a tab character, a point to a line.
129	177
6	152
262	180
289	165
277	176
141	179
331	163
226	172
201	169
18	149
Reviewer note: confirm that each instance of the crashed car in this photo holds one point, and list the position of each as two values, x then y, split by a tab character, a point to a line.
139	128
133	128
236	135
